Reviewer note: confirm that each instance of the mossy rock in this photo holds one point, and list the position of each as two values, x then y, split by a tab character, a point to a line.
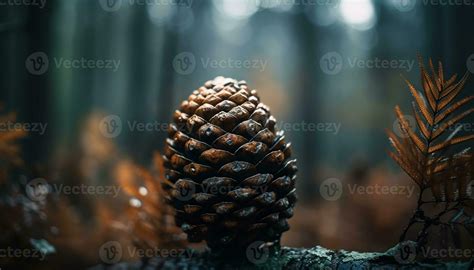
292	258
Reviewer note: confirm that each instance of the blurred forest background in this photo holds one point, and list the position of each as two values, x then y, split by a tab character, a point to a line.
162	49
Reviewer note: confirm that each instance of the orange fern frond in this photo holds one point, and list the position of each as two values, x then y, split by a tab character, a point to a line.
421	153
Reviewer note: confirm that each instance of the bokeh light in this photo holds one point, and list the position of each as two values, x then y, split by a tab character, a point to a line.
359	14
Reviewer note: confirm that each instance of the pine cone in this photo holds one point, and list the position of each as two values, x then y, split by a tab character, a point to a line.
228	171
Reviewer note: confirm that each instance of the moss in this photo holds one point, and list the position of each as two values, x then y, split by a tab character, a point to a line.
294	258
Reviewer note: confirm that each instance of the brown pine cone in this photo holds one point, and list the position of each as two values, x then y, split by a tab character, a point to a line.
229	175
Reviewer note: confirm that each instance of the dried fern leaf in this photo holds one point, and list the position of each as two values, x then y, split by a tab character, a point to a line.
408	130
423	70
442	127
401	148
445	144
451	81
415	153
418	154
421	103
452	108
440	167
430	89
406	157
440	73
424	130
459	85
417	141
435	77
447	99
